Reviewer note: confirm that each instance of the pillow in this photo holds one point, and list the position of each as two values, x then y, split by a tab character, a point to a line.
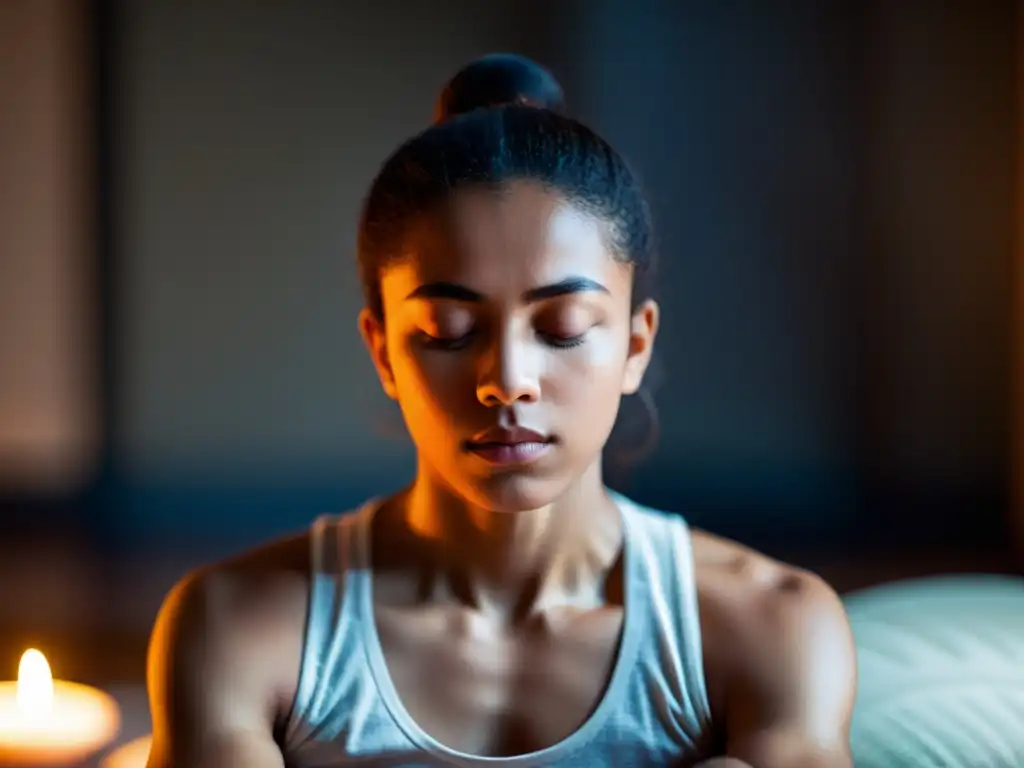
941	673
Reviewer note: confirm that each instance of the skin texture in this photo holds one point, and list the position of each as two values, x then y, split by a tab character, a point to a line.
497	590
501	245
779	659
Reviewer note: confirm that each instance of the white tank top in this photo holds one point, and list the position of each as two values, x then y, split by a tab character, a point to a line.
654	711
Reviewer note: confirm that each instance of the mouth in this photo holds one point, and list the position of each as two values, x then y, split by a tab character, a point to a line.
503	447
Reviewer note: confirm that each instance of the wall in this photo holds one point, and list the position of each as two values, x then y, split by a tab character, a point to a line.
49	417
834	191
244	138
835	186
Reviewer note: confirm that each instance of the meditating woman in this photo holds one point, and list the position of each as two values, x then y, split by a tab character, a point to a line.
504	608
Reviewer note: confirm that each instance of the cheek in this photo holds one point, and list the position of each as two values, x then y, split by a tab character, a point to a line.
429	381
591	371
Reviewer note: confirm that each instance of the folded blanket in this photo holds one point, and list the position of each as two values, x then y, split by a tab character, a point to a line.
941	680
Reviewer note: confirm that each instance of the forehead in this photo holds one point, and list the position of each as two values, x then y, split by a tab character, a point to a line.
507	240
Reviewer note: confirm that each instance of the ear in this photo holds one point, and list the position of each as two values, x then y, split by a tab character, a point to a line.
371	328
643	329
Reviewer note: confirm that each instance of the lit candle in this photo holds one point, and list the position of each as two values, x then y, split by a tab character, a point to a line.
134	754
52	723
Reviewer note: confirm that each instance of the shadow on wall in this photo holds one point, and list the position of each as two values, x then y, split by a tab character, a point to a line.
835	202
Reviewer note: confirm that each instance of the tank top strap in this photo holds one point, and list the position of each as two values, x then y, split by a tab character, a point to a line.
332	632
688	621
664	545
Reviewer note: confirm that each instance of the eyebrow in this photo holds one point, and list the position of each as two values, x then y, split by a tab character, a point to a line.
456	292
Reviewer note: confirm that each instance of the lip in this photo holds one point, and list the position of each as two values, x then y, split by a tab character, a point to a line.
509	446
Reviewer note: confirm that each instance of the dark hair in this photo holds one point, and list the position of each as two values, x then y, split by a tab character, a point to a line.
498	120
497	79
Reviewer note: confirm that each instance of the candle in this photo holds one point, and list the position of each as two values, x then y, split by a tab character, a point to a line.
134	754
52	723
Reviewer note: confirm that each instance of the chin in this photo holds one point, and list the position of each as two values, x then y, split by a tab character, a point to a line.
512	493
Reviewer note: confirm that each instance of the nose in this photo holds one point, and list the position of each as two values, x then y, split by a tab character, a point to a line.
508	374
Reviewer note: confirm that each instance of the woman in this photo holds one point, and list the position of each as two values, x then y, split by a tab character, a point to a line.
505	608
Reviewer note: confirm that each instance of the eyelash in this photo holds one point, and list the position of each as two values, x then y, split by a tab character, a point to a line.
453	345
565	343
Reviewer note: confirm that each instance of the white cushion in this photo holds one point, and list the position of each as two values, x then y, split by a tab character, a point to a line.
941	680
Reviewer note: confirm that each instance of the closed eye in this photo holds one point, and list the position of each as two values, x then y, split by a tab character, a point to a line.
451	344
448	344
563	342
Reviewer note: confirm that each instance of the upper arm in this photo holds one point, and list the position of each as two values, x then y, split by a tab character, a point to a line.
790	699
211	705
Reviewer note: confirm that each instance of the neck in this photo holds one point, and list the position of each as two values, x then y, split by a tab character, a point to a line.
509	562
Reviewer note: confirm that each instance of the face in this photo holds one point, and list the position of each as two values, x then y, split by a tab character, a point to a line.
508	343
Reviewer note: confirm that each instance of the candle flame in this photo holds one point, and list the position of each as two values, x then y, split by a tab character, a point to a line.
35	684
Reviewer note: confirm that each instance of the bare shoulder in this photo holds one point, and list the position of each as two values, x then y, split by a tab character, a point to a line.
778	651
739	584
226	648
246	587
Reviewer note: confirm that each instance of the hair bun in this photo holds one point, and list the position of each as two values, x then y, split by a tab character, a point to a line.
496	79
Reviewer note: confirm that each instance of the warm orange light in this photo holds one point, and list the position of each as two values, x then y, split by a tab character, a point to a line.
52	722
34	693
134	754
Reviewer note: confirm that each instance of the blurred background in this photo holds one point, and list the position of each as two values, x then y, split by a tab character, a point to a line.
836	190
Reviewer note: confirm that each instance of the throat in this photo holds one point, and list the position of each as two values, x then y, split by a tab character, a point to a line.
511	567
